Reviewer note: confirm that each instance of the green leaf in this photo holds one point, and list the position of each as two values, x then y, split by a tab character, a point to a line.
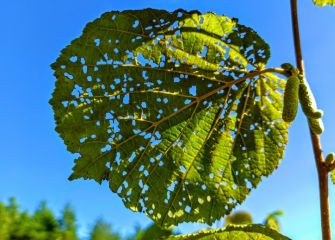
103	231
249	232
172	109
332	176
322	3
272	220
154	232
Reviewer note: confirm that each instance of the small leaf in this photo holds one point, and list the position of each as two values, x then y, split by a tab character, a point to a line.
322	3
248	232
172	109
332	176
272	221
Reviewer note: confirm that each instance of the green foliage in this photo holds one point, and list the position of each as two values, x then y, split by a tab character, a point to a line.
332	176
322	3
245	218
172	109
68	223
272	221
239	218
43	225
103	231
291	99
5	221
248	232
15	224
330	160
153	232
18	225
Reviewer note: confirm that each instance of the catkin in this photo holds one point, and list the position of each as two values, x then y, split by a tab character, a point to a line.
291	99
307	101
316	125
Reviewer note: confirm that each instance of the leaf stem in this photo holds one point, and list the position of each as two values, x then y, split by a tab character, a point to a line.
322	169
277	70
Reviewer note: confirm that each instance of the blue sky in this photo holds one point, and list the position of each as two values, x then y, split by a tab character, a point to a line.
34	164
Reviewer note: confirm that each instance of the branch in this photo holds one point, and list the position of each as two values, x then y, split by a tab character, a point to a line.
316	142
277	70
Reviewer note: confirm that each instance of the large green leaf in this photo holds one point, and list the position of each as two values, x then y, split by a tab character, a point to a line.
153	232
172	109
322	3
248	232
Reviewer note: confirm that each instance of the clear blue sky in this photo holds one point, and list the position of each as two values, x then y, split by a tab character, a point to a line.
34	163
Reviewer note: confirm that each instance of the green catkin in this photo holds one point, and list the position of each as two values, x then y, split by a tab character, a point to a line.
307	101
291	99
316	125
318	113
330	158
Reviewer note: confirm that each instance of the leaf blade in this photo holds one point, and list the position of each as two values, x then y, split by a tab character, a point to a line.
248	232
172	110
322	3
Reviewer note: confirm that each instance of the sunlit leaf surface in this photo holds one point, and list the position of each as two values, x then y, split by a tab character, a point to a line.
322	3
172	110
332	176
249	232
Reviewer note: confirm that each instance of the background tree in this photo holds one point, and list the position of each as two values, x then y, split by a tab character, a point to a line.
45	225
153	232
68	223
42	224
103	231
5	222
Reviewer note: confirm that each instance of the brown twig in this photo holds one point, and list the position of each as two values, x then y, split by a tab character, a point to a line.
322	168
